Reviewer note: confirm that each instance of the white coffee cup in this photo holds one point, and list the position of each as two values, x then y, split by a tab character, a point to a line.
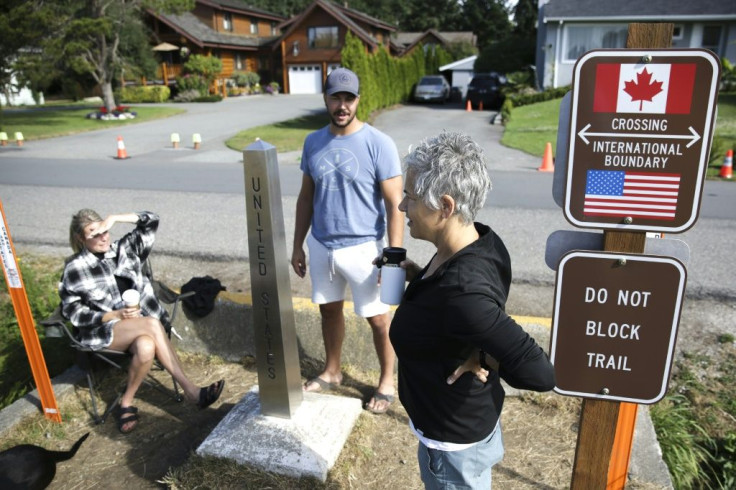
131	298
393	277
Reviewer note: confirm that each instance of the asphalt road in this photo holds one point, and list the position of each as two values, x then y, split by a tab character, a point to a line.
199	193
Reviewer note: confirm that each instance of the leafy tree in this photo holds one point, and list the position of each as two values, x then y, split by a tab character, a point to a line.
460	50
489	18
101	38
420	15
21	35
511	54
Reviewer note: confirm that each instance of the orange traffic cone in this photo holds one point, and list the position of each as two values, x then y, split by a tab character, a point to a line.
727	167
122	154
468	107
548	164
480	105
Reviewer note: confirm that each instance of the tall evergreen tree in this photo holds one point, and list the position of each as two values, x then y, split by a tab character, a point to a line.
525	18
489	20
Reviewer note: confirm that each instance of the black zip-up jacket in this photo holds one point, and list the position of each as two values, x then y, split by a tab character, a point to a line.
441	321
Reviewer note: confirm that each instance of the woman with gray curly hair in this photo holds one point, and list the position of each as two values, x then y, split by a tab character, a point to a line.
452	311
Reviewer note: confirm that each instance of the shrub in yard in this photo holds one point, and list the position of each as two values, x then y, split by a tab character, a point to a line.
245	78
149	93
187	96
190	82
208	98
199	73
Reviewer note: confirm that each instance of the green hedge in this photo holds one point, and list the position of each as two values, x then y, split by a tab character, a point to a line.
148	93
384	80
209	98
520	99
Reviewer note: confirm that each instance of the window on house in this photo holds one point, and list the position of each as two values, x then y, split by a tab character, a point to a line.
254	26
274	31
678	31
323	37
711	38
581	38
227	21
238	61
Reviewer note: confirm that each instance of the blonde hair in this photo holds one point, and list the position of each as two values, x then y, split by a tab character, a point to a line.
76	228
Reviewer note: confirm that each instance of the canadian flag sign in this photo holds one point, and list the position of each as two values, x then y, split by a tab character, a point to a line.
640	130
644	88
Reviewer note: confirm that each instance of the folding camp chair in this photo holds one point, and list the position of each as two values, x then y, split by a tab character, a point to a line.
87	359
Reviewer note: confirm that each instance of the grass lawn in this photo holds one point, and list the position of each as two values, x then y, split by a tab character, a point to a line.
285	136
50	121
532	126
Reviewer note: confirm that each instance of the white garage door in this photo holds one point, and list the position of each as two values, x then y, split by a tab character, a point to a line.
305	79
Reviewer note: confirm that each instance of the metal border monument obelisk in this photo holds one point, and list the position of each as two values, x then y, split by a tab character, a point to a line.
277	356
277	426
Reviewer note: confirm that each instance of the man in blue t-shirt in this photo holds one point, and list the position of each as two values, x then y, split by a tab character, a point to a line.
351	189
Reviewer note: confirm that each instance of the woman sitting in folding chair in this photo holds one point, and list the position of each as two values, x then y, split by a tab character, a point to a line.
91	299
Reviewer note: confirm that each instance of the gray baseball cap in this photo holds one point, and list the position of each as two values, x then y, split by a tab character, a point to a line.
342	80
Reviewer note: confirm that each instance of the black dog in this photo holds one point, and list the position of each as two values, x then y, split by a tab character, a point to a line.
32	467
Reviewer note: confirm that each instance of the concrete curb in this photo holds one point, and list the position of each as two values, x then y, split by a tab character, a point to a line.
30	404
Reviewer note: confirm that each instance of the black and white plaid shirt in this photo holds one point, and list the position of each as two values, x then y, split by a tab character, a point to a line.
88	288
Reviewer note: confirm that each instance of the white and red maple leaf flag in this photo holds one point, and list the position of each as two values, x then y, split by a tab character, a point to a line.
654	88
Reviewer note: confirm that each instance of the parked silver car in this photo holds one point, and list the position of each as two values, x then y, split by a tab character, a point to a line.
432	88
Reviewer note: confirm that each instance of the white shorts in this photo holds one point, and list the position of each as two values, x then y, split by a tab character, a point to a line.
332	270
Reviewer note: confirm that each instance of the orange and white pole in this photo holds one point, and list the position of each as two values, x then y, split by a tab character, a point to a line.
18	295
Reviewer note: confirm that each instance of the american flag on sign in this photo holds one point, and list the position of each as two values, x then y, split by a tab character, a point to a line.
635	194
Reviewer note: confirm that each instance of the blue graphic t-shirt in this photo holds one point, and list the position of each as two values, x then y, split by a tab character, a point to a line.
347	172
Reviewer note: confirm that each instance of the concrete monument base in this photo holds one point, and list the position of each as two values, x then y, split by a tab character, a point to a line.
308	444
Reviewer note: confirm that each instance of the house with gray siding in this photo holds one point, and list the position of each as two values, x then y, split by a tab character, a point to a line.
569	28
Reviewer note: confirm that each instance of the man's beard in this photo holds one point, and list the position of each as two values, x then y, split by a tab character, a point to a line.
344	125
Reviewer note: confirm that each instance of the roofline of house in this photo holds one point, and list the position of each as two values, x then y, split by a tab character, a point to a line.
176	27
421	37
367	18
637	18
457	63
210	44
341	16
234	47
249	10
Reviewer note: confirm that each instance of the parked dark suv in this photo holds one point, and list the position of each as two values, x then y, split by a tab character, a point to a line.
485	88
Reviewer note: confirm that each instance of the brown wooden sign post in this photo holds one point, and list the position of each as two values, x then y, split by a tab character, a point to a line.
599	418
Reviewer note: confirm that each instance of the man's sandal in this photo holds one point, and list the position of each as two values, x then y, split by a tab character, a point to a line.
126	415
210	394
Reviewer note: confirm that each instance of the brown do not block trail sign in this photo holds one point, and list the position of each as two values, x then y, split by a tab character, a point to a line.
615	325
640	132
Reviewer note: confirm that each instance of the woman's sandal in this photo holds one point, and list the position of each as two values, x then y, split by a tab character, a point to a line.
126	415
210	394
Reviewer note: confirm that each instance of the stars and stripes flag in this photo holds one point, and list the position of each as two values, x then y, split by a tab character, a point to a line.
636	194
